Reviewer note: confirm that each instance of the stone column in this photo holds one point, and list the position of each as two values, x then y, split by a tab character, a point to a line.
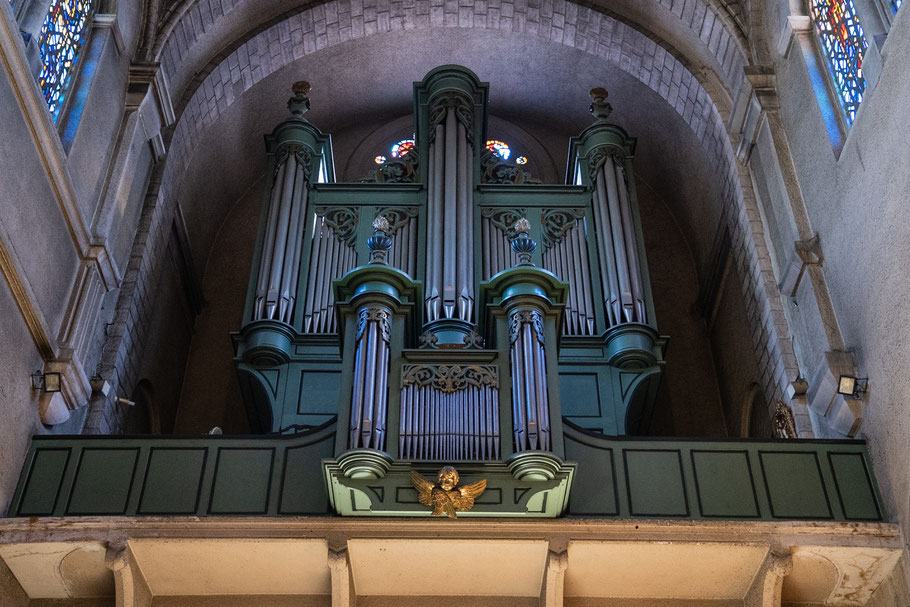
340	571
129	585
766	589
554	584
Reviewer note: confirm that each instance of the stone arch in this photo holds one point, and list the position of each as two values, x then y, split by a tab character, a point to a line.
705	35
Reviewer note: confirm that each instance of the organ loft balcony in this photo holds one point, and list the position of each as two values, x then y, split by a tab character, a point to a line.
451	337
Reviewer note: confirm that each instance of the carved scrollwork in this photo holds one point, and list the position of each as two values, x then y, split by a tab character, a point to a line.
521	317
784	425
429	341
450	378
503	220
395	170
378	315
473	340
557	223
342	221
497	170
398	217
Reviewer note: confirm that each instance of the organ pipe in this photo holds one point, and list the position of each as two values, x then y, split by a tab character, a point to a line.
369	399
449	272
621	277
279	266
530	402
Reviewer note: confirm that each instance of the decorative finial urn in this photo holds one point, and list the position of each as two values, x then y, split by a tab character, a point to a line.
380	242
522	243
299	104
599	107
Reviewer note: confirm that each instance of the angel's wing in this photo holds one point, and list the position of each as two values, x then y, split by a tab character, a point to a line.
466	494
424	488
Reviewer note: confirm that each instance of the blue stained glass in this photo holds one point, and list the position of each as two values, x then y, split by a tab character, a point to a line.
895	4
844	42
60	40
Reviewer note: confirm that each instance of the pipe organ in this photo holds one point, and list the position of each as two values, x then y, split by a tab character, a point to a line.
484	311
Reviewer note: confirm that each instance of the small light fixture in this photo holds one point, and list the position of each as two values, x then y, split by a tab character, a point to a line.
852	386
49	382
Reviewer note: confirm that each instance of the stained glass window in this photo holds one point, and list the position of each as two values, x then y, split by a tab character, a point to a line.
844	43
500	148
402	147
895	4
60	40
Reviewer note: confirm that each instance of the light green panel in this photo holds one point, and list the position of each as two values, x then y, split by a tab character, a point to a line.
103	481
242	481
172	482
655	482
43	483
724	482
854	487
795	485
594	489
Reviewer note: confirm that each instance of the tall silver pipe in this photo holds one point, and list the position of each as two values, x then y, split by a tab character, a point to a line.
530	402
369	398
616	229
449	275
631	244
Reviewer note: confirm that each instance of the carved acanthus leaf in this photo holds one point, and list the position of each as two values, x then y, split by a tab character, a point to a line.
523	317
450	378
378	315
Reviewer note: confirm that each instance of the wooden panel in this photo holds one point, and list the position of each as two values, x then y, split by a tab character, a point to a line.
795	485
594	488
302	486
43	485
854	487
654	480
242	481
173	481
724	484
318	396
103	481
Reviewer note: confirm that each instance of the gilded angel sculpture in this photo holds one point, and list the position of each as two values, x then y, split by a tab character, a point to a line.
445	496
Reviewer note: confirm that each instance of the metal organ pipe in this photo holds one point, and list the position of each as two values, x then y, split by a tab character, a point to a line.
618	250
449	273
530	402
369	398
279	265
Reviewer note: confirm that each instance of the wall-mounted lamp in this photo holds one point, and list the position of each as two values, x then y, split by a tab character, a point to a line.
49	382
852	386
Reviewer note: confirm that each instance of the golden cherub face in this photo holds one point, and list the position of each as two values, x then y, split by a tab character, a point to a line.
448	478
